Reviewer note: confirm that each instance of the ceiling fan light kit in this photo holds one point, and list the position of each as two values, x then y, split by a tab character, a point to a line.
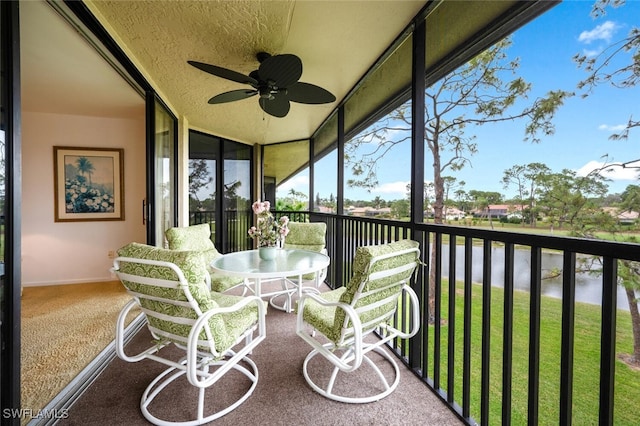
275	82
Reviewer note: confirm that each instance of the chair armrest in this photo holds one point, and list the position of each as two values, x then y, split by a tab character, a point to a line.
351	314
192	347
147	353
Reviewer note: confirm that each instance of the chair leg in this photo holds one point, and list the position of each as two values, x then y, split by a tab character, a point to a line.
328	390
173	373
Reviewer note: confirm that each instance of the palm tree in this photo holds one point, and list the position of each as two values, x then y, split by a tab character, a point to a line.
85	167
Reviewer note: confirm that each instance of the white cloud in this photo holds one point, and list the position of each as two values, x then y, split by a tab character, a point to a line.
299	183
601	32
399	188
610	128
589	53
611	172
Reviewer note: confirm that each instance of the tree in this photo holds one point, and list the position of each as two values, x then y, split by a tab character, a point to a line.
199	178
600	68
401	208
526	179
567	198
475	94
483	199
629	277
85	167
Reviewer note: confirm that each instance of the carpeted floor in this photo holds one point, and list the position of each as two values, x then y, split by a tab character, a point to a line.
64	327
282	396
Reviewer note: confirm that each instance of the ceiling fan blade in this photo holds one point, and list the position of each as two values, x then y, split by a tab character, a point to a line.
307	93
278	106
224	73
282	70
234	95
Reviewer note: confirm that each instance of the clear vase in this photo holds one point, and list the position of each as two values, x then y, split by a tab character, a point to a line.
267	253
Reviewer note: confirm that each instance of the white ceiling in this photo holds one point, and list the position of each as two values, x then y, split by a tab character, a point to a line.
62	73
337	41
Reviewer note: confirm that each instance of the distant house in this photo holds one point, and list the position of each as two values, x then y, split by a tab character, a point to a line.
368	211
452	213
498	211
624	217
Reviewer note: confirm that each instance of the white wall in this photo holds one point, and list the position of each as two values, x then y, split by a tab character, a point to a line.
75	252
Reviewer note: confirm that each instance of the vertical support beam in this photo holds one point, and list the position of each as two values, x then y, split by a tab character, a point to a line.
418	88
10	341
451	315
311	174
340	275
182	192
608	339
417	176
219	215
507	345
485	379
150	130
535	293
466	346
568	324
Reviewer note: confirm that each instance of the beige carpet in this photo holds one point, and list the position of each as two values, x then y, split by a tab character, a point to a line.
64	328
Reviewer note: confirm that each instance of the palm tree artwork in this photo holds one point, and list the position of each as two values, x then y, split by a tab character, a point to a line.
83	193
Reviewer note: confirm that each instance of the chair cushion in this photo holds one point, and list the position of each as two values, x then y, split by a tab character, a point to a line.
194	237
225	328
330	320
190	262
307	236
198	238
322	318
361	273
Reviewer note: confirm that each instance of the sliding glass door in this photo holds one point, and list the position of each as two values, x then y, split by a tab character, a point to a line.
10	183
162	176
220	189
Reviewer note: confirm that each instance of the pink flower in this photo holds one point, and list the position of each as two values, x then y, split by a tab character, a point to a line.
258	207
267	231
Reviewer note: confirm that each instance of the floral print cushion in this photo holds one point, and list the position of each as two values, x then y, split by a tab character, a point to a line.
225	328
198	238
330	320
306	236
194	237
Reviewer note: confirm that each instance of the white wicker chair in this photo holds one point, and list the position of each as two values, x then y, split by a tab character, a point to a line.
170	288
345	316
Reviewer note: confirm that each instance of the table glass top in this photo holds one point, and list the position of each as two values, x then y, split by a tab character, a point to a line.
287	262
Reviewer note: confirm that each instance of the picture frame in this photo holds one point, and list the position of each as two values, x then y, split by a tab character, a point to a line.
88	184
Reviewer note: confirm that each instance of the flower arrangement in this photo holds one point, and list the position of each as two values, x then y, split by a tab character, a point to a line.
268	231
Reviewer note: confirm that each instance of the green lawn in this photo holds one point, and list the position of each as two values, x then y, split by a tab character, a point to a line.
586	360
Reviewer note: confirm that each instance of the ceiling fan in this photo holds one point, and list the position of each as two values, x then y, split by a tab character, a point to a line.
275	81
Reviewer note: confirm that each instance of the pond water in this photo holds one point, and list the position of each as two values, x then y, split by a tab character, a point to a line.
588	286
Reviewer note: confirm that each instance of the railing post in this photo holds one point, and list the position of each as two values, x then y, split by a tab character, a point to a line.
568	324
608	340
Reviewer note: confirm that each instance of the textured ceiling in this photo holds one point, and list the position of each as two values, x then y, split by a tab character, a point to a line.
337	41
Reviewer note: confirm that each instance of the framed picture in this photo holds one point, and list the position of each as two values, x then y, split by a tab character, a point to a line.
88	183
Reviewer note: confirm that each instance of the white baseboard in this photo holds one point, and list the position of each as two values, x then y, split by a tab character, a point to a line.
65	282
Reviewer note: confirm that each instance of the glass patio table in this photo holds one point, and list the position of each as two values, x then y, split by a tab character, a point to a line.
287	263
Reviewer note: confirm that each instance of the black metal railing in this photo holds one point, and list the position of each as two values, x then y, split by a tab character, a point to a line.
474	350
234	235
456	357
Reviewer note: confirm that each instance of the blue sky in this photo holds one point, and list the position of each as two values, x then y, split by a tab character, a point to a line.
545	47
